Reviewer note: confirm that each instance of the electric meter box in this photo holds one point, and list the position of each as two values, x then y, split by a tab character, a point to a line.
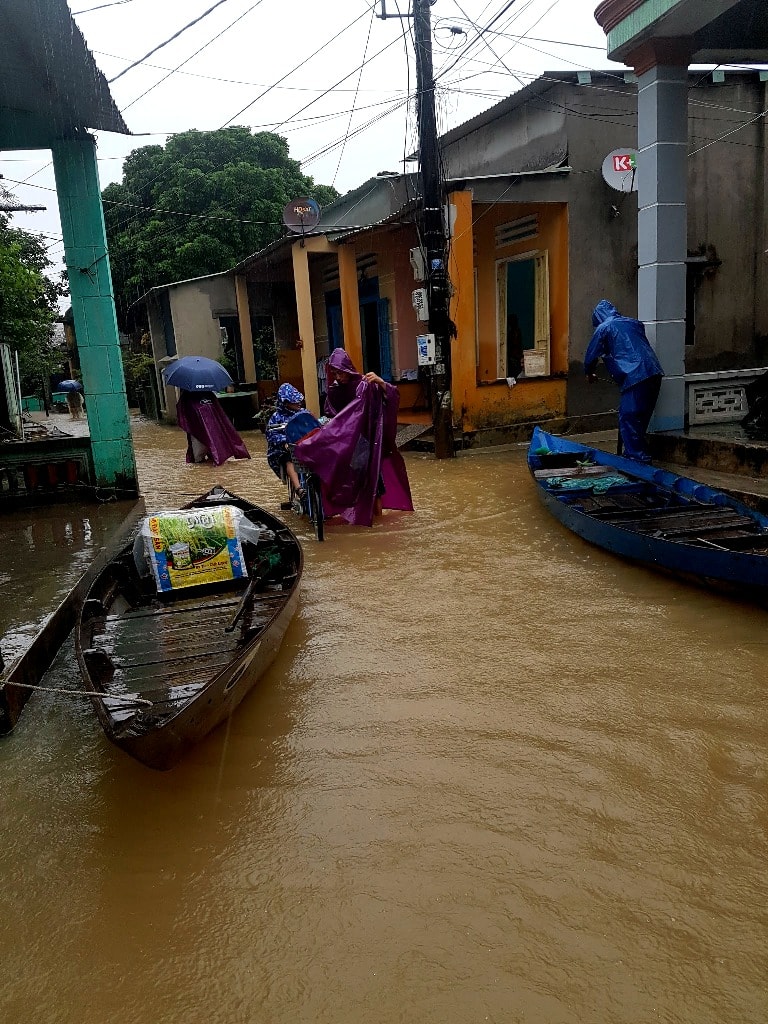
417	264
419	300
425	349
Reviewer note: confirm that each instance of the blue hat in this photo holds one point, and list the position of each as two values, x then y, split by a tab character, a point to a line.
289	394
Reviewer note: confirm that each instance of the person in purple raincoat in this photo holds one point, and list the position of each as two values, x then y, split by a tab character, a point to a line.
210	434
354	455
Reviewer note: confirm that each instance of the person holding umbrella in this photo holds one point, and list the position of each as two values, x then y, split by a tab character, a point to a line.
210	434
74	397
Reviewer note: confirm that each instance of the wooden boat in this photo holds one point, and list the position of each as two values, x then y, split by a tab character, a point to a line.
652	516
165	667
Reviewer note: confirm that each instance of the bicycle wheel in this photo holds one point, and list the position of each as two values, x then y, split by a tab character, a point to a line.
315	507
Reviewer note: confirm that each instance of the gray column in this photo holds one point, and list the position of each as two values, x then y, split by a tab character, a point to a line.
662	136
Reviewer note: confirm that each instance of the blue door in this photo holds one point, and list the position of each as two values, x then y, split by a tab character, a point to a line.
385	346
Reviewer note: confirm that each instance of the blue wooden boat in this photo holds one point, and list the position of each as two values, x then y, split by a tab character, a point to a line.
652	516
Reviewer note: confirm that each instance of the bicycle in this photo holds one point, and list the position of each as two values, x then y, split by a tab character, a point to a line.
311	502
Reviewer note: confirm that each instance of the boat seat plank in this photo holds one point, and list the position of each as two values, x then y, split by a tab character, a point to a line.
179	616
623	503
545	474
661	511
173	692
161	678
691	516
693	529
162	681
227	642
179	643
180	631
153	653
654	510
178	607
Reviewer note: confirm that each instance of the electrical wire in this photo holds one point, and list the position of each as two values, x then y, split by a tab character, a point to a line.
193	55
146	184
485	41
332	87
519	39
354	100
240	81
170	39
303	62
713	142
463	54
329	147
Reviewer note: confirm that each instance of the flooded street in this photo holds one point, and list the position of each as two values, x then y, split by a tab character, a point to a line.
494	775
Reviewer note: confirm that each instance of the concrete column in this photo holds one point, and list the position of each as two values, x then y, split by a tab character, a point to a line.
350	305
301	281
662	135
93	308
246	334
462	308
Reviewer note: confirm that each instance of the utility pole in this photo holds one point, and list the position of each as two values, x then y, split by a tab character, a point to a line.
433	231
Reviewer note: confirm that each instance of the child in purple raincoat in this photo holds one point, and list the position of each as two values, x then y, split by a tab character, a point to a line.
355	456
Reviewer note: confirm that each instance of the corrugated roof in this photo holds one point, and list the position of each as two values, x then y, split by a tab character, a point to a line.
172	284
48	71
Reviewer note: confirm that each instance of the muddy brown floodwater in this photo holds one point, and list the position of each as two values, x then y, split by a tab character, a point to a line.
494	775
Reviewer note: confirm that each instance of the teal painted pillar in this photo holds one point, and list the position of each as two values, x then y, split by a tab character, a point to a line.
93	308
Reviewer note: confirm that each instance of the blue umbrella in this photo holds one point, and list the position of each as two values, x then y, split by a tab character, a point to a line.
196	373
69	385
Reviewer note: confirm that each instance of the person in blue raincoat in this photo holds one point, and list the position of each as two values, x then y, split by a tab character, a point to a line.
289	402
622	344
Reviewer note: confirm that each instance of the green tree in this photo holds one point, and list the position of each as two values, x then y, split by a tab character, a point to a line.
28	305
227	189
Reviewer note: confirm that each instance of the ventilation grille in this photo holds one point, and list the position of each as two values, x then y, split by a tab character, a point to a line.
713	404
366	264
517	230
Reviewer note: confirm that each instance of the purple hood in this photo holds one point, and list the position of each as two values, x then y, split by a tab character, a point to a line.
340	394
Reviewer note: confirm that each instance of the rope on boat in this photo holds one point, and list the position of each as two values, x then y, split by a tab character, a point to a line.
82	693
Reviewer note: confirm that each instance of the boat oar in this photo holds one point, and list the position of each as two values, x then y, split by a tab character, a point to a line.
249	591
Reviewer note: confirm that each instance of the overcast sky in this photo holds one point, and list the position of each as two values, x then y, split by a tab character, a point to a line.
250	46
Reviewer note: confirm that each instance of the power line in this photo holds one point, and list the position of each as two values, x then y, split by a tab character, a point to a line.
240	81
306	61
167	41
350	135
471	43
516	14
733	132
354	99
192	56
332	87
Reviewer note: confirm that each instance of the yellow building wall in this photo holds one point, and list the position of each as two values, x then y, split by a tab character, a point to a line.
480	400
